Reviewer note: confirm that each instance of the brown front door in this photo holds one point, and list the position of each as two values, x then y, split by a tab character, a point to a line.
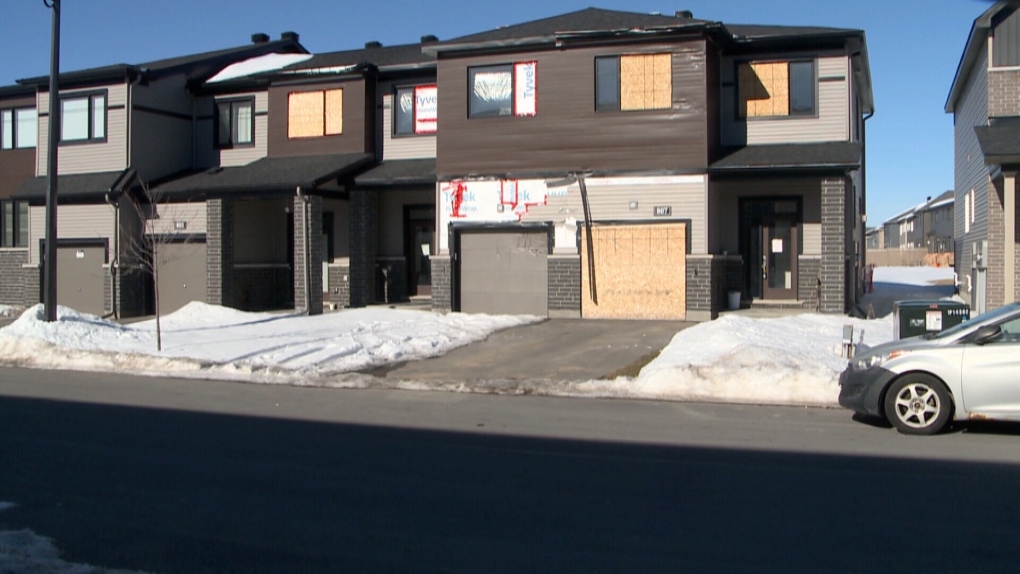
779	247
419	234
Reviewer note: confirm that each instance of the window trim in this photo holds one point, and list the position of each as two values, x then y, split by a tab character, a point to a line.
325	113
414	110
15	139
791	114
88	97
618	104
232	144
16	224
513	67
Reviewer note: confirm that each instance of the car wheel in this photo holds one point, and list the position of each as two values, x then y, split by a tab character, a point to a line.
918	404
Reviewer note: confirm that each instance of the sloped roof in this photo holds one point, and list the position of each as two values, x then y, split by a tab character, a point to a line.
1000	144
269	174
75	186
404	171
382	57
972	50
843	155
197	65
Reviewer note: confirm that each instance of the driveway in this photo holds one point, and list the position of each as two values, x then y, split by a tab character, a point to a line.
556	349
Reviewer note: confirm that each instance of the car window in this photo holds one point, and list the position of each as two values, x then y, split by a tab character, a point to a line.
1010	331
985	319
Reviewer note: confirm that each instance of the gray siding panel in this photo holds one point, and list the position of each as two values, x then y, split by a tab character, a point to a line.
970	170
110	155
1006	44
87	222
403	147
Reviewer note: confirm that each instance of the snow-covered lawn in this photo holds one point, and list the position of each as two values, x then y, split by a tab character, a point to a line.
794	359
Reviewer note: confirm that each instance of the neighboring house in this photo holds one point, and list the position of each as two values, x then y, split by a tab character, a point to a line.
614	164
123	126
937	223
875	238
18	138
985	102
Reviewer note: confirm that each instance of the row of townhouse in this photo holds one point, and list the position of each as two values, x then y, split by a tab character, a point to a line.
928	226
985	102
593	164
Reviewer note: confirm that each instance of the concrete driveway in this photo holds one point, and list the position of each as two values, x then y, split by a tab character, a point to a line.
556	349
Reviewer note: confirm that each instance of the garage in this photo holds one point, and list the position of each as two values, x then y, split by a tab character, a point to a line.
182	275
504	271
639	272
80	277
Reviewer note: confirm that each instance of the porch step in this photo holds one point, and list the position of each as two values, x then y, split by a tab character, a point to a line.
778	304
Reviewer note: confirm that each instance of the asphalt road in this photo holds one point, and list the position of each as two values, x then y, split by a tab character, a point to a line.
168	475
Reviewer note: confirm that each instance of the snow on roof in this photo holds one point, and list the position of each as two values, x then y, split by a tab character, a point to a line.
258	65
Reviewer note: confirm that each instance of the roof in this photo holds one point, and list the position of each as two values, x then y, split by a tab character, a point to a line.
1000	144
843	155
404	56
972	50
76	186
767	32
197	66
589	20
269	174
403	171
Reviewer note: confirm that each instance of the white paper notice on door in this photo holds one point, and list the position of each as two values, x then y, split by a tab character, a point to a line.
777	246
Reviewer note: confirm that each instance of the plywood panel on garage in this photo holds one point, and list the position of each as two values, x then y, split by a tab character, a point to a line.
80	276
504	272
182	275
640	272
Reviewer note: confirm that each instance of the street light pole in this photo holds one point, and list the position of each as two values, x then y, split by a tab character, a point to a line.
50	270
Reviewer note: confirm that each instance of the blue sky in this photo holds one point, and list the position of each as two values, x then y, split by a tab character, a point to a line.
914	46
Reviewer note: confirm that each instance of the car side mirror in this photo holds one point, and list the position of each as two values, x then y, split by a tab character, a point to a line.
986	334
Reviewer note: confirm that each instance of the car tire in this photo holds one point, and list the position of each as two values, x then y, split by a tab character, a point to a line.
918	404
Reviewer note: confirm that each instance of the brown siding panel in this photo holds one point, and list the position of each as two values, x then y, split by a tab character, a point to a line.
567	134
358	122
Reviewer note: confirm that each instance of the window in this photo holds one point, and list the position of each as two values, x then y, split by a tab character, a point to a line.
315	114
13	224
18	128
83	118
415	110
634	82
776	89
503	90
235	123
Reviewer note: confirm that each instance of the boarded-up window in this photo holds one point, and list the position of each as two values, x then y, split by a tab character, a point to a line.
776	89
634	82
315	114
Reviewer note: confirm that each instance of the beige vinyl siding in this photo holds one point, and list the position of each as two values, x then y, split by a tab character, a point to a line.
725	207
403	147
609	200
88	157
969	166
87	222
192	214
833	109
246	155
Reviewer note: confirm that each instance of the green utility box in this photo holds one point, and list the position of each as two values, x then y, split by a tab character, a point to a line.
913	318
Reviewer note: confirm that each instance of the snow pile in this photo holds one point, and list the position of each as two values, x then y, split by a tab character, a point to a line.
226	343
9	311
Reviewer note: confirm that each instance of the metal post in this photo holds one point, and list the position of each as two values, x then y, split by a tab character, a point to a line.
50	271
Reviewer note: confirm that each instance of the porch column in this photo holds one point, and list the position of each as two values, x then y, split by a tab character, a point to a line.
364	224
308	254
834	246
1009	235
220	252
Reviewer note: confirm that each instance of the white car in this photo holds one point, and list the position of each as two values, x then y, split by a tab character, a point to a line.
970	371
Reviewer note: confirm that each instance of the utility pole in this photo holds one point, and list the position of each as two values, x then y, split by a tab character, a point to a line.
50	270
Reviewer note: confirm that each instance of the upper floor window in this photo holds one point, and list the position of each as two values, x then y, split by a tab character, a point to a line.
13	224
235	123
634	82
315	114
776	89
18	128
503	90
415	110
83	118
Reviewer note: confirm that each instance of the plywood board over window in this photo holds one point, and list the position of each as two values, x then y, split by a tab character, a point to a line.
764	89
315	114
639	272
646	81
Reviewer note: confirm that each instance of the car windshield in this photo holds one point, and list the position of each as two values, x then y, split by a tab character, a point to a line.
993	316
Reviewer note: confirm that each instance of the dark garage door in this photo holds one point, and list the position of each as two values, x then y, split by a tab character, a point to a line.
80	277
182	275
504	272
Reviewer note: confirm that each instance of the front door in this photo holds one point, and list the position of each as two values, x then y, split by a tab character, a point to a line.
419	234
779	259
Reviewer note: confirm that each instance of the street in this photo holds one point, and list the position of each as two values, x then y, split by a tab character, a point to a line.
168	475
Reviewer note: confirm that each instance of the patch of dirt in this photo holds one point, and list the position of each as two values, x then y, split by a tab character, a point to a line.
634	368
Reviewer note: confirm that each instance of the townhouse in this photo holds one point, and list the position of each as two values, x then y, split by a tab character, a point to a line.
19	136
593	164
985	102
612	164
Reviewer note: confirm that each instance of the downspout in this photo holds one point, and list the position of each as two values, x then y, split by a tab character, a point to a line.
307	250
589	240
115	264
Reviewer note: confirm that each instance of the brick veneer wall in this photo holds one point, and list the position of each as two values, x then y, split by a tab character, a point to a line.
1003	93
309	299
340	285
364	225
16	284
808	269
834	246
220	252
442	284
710	278
995	278
564	278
